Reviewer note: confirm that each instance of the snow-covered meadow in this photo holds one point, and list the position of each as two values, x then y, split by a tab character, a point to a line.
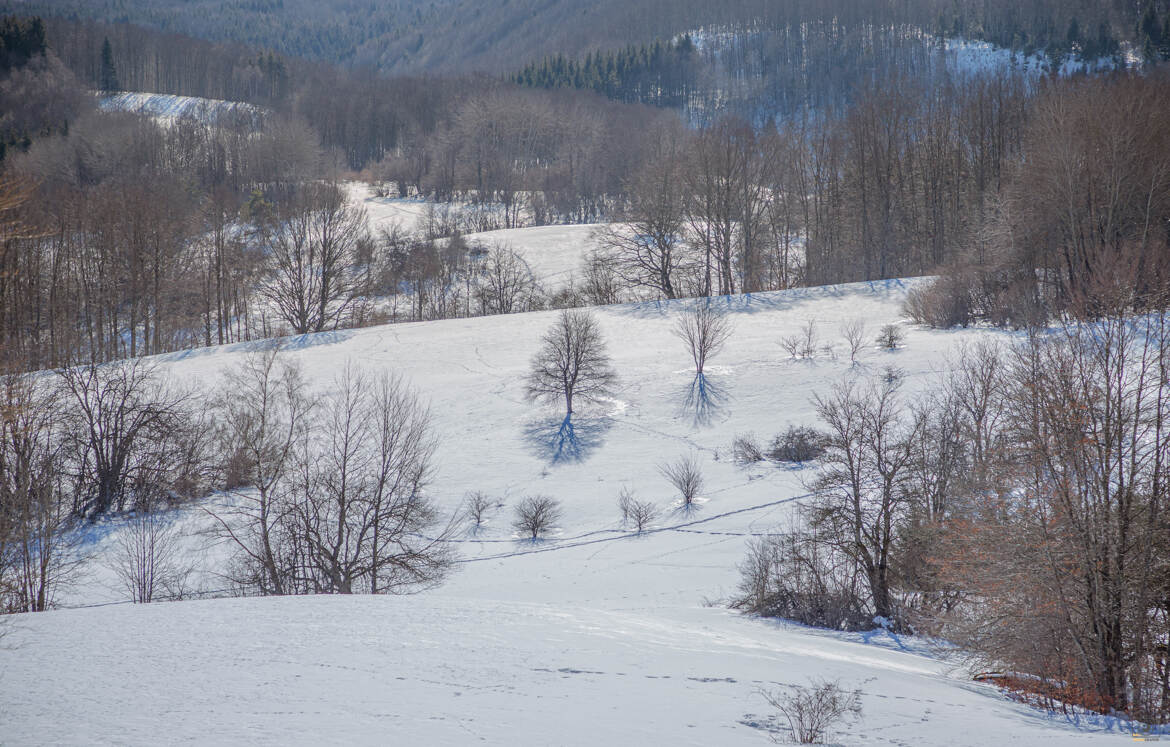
595	635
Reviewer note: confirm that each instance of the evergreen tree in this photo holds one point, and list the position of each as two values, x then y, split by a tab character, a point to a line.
109	74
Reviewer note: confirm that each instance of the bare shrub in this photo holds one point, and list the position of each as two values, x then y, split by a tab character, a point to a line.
854	333
686	477
797	576
945	302
804	343
746	449
476	507
815	710
625	504
536	515
798	444
704	331
635	513
891	337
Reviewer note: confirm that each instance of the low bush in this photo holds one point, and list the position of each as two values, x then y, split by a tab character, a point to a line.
798	444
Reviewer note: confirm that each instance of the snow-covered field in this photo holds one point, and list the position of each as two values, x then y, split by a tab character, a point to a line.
592	637
553	253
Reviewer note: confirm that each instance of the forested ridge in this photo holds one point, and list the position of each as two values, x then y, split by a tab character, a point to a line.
467	35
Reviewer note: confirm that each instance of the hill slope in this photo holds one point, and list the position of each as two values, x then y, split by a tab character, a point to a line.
593	636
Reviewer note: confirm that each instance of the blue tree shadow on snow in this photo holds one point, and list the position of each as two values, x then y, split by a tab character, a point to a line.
703	400
568	439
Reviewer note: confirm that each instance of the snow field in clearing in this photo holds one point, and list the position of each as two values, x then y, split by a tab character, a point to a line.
553	253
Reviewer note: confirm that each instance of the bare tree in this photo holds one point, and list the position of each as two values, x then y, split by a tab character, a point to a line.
476	507
148	559
37	551
812	712
704	330
505	282
854	333
311	250
601	285
572	363
536	515
859	504
361	515
122	439
686	476
647	249
261	415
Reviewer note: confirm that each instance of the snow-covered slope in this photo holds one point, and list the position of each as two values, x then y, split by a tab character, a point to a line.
594	636
554	253
168	108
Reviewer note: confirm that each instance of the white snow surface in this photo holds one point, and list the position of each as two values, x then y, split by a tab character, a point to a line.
553	253
594	636
167	108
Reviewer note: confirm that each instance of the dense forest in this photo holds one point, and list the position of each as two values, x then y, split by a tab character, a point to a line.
411	36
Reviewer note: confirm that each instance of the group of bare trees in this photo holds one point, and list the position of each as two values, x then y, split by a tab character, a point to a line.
78	444
328	492
1083	214
1018	508
325	494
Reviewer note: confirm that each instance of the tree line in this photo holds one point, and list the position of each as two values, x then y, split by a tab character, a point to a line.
142	238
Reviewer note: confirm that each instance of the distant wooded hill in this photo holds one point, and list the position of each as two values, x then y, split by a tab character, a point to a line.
502	36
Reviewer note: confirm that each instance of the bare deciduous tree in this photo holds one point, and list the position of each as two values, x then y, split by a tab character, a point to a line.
704	330
38	553
859	502
572	363
261	417
647	249
536	515
360	512
311	250
505	282
476	507
123	436
148	559
687	478
854	333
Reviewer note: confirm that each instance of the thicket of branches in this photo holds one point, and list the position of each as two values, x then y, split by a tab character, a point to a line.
1018	508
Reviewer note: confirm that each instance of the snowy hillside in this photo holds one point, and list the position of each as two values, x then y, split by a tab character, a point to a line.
553	253
168	108
593	636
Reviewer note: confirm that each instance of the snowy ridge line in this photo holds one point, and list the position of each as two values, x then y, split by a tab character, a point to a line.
627	535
